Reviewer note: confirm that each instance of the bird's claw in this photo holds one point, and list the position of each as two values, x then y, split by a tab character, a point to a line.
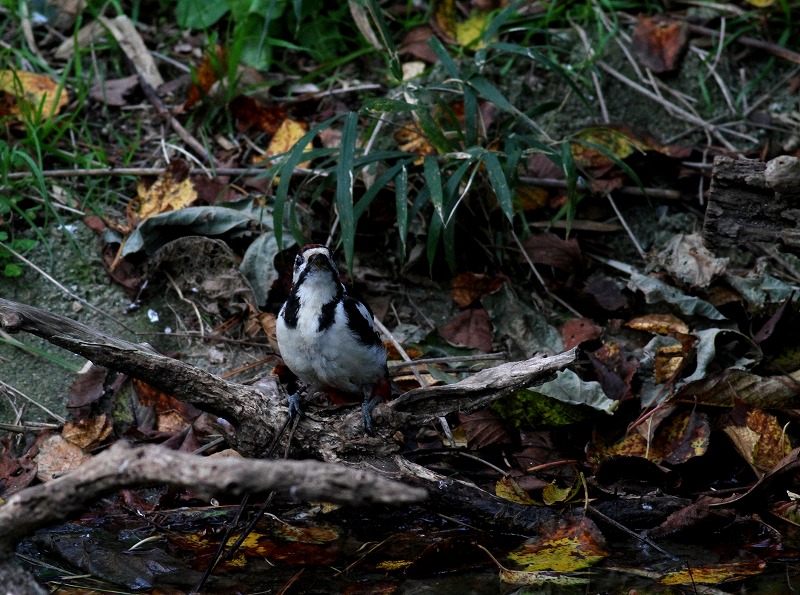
294	405
366	410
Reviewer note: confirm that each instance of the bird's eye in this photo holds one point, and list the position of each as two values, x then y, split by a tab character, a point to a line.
298	260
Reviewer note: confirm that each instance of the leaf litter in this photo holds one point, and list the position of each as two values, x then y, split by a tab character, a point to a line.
676	369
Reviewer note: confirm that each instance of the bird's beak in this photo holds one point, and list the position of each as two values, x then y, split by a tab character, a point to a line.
318	261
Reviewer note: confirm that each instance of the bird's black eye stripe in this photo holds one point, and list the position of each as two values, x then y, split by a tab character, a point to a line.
360	326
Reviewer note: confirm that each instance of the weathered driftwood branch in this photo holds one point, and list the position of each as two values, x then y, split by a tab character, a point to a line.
124	466
483	388
258	412
246	407
753	201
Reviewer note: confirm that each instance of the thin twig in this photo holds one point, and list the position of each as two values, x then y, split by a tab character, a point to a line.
657	193
184	134
19	393
446	360
624	223
669	107
540	279
630	532
411	363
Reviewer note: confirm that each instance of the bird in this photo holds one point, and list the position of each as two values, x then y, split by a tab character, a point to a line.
328	339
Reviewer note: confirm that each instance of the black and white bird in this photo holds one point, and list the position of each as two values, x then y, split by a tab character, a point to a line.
328	338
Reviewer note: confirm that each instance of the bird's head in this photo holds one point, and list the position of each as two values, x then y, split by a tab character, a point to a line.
315	261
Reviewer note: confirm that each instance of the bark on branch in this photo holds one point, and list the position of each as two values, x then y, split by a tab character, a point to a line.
259	411
246	407
124	466
753	201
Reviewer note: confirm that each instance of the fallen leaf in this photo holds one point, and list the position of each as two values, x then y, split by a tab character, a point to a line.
687	259
172	191
15	473
607	293
57	456
614	371
508	489
113	91
467	288
250	114
661	324
470	328
762	441
288	133
416	44
551	250
30	93
466	32
668	362
205	75
563	545
659	44
87	433
580	330
713	574
483	428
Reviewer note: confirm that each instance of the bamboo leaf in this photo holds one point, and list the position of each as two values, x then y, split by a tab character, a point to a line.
401	202
433	179
499	184
290	162
345	178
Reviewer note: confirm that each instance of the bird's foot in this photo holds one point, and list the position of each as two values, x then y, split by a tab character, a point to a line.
294	404
366	410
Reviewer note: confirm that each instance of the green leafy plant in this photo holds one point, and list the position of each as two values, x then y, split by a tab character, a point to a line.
8	264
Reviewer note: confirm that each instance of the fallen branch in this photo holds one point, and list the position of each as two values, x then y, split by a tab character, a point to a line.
124	466
258	412
248	408
483	388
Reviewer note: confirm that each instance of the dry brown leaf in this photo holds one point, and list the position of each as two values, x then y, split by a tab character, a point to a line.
205	75
661	324
658	44
57	456
288	133
579	330
87	433
668	362
112	92
467	288
470	328
483	428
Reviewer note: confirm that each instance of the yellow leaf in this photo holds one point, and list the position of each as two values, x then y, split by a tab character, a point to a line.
37	91
165	194
468	33
510	490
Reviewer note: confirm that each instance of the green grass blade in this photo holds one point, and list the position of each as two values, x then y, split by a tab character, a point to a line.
380	182
532	54
441	52
401	202
571	176
290	162
433	179
345	179
497	178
